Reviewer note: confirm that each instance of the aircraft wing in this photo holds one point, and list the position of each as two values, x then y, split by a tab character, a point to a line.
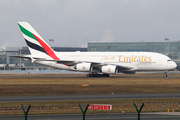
73	63
121	67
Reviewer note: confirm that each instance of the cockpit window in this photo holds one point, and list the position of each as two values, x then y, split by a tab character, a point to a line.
169	60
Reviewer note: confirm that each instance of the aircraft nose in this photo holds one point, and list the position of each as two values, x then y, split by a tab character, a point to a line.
174	65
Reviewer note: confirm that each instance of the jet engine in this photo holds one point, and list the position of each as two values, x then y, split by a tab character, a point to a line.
84	67
110	69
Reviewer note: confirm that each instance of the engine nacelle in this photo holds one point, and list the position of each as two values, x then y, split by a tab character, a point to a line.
110	69
84	67
129	72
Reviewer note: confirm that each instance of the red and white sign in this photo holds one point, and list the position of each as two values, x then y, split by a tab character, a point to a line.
99	107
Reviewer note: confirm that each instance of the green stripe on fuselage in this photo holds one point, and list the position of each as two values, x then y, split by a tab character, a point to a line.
26	32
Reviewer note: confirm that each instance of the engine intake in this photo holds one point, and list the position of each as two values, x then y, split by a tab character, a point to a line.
84	67
110	69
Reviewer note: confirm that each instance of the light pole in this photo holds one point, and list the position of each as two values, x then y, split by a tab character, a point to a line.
51	40
20	58
167	46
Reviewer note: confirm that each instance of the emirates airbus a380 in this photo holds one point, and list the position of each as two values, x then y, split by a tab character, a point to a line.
99	64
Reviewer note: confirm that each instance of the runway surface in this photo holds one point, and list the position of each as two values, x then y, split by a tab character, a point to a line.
87	97
106	116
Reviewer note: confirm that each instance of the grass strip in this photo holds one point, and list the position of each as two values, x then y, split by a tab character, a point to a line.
60	85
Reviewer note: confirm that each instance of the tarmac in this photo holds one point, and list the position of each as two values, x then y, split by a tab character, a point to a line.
89	97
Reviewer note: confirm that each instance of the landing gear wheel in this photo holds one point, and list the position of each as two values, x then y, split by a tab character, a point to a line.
165	75
96	75
105	75
88	75
93	75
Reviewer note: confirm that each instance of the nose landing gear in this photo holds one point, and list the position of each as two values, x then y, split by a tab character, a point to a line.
165	75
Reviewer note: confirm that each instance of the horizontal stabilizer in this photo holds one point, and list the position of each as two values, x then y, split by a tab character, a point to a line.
21	56
28	57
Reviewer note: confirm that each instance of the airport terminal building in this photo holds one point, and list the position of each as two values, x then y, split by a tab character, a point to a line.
171	49
11	63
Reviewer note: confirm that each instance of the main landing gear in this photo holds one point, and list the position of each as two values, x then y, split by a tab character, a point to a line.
97	75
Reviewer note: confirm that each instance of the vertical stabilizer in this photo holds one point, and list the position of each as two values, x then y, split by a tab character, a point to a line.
36	44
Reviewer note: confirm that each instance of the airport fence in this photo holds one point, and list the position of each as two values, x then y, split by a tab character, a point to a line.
74	108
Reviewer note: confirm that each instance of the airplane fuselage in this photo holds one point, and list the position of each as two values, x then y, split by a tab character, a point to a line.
138	61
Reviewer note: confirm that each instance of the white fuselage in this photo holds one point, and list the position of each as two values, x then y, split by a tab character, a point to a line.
137	61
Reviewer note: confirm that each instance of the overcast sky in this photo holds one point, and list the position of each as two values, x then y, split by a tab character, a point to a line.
76	22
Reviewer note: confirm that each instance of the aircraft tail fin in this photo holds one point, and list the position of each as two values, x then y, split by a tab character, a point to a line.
35	42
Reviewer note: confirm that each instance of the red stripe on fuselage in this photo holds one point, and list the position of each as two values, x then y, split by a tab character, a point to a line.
48	50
